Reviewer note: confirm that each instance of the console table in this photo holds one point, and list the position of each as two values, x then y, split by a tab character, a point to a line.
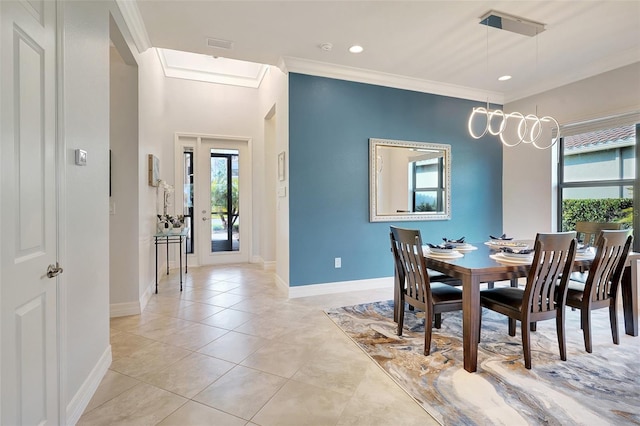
173	237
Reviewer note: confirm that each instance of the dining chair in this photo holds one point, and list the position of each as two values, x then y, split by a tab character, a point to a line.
434	276
539	300
587	232
416	289
603	279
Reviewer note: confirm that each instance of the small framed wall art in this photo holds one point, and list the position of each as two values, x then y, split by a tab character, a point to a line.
154	170
281	165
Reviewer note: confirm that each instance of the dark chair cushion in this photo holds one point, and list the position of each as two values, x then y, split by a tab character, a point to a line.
575	291
445	293
435	276
508	296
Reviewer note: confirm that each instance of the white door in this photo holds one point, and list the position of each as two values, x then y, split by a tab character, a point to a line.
28	216
223	201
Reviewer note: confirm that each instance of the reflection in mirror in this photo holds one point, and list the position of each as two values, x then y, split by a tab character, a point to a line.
409	180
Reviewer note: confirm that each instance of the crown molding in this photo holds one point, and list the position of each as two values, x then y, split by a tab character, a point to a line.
323	69
211	76
133	20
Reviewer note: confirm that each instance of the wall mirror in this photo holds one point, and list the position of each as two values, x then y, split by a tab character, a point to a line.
409	181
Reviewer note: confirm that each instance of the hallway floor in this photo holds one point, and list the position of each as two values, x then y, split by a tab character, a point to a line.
232	349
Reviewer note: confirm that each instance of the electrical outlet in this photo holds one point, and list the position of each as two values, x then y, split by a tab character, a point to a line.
338	262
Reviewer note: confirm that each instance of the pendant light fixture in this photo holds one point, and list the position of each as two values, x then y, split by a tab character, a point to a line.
529	127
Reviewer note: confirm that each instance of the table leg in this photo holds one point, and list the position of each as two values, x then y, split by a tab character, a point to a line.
470	320
630	299
167	255
156	266
186	257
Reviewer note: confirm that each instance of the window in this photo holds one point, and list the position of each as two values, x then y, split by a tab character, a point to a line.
187	208
597	177
428	185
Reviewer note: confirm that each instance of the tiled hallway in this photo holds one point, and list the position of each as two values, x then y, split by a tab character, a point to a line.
231	349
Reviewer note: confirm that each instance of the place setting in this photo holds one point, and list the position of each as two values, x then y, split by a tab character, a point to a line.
441	251
519	256
459	244
498	243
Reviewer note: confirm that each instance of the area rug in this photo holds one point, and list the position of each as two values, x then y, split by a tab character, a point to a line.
588	389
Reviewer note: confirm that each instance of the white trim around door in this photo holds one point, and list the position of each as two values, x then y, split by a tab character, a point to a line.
200	146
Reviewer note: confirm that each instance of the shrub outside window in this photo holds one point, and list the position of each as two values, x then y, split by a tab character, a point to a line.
597	177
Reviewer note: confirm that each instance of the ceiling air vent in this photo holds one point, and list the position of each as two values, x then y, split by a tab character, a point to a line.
515	24
219	43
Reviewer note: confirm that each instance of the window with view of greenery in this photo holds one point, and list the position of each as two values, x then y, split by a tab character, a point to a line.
597	177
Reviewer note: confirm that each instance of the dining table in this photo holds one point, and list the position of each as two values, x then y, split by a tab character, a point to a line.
480	264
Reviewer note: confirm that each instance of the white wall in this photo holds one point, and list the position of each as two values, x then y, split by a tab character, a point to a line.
151	113
269	184
85	124
123	219
274	93
529	192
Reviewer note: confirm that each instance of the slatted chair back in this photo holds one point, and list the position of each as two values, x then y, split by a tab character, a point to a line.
587	232
407	247
552	262
608	265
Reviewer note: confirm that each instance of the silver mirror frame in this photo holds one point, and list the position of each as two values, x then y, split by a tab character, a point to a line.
373	184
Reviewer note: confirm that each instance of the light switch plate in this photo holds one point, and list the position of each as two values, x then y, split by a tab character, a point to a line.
81	157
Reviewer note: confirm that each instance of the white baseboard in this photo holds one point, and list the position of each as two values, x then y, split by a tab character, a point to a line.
339	287
81	399
132	308
266	265
146	296
124	309
269	266
281	284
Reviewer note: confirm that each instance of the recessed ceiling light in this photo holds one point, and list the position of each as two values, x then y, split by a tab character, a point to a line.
356	49
504	78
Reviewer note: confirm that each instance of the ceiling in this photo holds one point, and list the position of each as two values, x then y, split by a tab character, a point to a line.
421	41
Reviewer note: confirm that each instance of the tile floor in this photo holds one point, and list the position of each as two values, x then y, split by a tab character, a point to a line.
232	349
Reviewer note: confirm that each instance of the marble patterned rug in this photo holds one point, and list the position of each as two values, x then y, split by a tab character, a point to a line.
588	389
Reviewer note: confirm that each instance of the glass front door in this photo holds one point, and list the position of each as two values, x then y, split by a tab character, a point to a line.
225	201
223	191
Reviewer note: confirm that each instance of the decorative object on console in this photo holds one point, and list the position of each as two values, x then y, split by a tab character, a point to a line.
167	222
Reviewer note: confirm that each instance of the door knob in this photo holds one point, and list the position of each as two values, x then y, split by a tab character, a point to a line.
54	270
205	219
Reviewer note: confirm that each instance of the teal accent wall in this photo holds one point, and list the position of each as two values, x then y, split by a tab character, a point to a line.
330	123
